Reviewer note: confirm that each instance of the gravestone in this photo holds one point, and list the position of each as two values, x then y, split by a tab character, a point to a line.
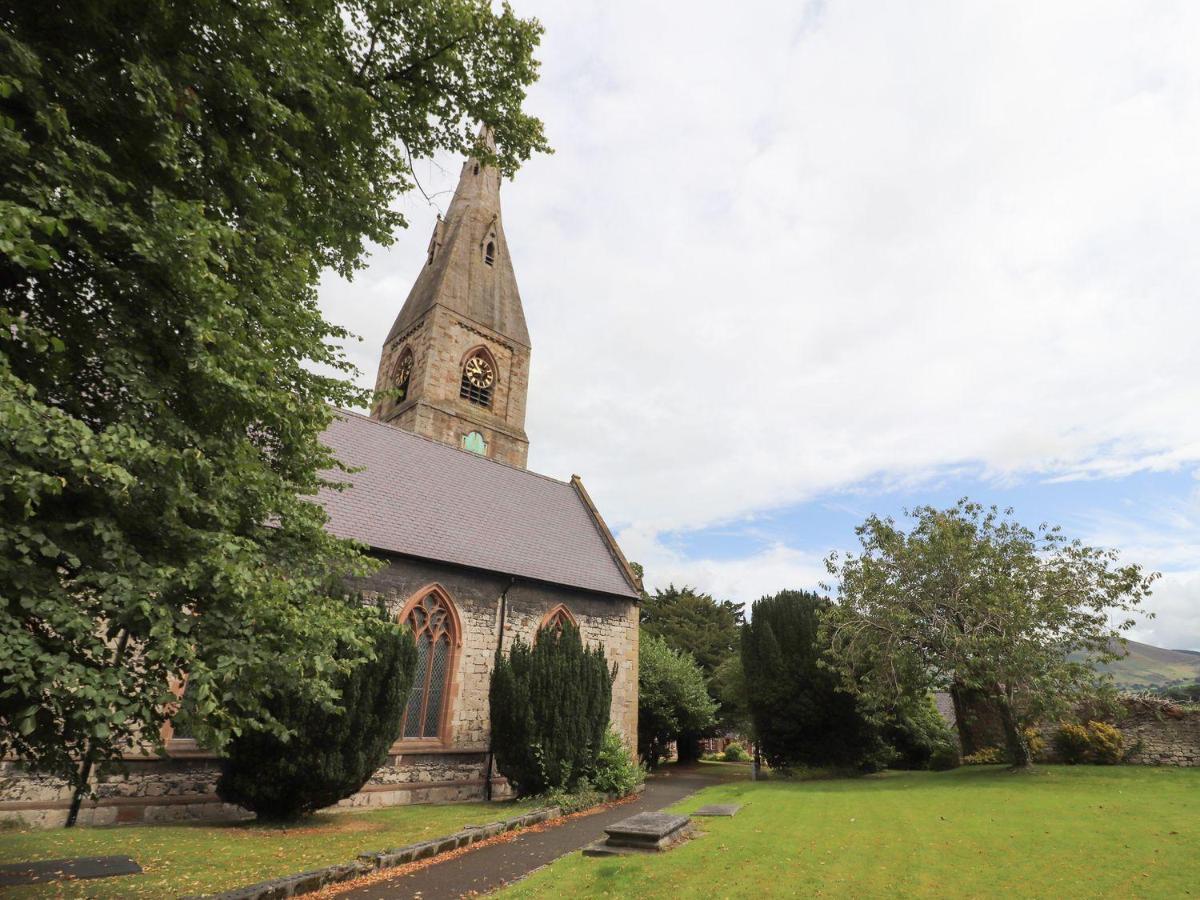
646	832
62	869
718	809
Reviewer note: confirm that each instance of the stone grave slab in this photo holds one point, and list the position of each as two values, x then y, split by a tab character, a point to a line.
718	809
646	832
62	869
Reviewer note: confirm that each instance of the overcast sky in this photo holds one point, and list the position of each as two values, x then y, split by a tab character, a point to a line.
794	263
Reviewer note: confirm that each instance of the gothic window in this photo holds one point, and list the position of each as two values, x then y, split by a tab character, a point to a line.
433	626
489	253
556	619
478	379
401	375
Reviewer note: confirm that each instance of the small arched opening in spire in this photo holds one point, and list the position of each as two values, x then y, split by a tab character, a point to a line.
475	171
489	253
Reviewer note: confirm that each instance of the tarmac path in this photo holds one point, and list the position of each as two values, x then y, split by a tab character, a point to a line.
491	867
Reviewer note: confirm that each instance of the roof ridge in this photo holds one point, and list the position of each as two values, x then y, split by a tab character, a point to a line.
394	429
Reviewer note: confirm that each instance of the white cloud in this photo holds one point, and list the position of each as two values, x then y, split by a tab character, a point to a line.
783	248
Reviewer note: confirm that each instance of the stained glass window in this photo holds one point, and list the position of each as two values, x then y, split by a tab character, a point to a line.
433	628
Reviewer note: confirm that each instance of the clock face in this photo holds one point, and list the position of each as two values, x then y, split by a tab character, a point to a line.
404	369
479	372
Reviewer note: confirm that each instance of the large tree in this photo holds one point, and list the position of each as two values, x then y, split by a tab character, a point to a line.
971	600
695	623
174	178
802	713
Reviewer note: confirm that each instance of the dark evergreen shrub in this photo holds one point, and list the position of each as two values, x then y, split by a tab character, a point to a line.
801	715
330	754
549	710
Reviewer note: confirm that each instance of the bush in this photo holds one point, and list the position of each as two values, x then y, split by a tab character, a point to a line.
330	754
944	757
583	797
1072	743
616	771
1035	741
988	756
1105	743
735	752
914	730
801	715
549	709
672	698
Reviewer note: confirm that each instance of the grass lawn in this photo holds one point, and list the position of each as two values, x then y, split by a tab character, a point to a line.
206	858
1058	832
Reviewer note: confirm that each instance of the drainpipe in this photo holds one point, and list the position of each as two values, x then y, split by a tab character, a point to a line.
487	784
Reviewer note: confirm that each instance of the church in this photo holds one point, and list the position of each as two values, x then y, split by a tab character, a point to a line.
476	551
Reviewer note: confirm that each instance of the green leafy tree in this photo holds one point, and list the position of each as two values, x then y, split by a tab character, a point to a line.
915	731
174	178
970	599
728	685
802	714
672	697
331	753
549	710
694	623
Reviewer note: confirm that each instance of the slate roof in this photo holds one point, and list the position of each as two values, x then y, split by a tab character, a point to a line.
420	498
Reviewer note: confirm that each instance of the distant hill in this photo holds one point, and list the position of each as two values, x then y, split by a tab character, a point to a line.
1152	667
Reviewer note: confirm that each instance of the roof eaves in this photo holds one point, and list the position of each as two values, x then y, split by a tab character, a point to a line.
633	581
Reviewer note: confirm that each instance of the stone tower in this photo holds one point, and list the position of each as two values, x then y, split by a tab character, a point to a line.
456	362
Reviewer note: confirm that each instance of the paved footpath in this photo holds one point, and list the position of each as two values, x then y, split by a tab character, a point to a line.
489	868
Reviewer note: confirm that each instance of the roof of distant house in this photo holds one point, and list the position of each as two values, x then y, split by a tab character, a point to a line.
416	497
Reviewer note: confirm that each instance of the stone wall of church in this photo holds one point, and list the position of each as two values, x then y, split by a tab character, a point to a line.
606	620
182	785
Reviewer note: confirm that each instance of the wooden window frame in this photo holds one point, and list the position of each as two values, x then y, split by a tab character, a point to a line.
445	735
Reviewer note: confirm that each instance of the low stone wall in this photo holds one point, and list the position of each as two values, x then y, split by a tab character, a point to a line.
175	789
1161	735
1154	733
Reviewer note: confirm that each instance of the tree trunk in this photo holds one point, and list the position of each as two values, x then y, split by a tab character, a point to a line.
1018	747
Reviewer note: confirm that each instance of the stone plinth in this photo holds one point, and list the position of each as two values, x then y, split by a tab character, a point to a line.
647	832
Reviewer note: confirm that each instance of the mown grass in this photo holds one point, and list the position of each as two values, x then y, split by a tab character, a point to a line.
207	858
976	832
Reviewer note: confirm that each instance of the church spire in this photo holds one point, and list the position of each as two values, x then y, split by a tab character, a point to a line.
455	365
468	269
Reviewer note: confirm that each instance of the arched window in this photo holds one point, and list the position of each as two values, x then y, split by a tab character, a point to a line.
556	619
402	374
435	630
478	378
489	253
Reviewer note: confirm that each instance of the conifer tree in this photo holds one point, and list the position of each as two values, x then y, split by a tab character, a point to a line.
331	754
549	709
801	714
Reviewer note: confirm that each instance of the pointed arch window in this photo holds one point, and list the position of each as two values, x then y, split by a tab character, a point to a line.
435	629
489	253
402	374
478	378
557	619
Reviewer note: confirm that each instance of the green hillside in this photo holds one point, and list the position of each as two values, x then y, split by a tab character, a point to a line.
1145	666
